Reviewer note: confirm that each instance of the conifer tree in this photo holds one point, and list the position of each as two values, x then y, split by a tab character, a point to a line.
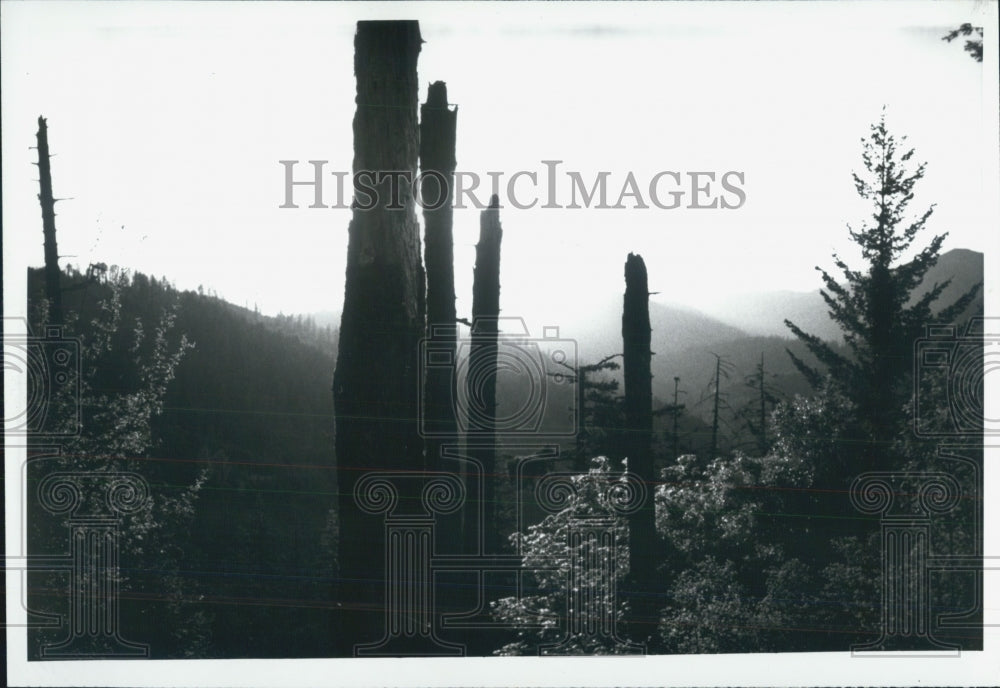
599	409
874	307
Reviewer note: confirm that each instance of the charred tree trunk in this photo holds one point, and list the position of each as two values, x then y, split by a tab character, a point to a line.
481	378
763	410
581	461
713	452
53	291
676	414
437	168
636	336
375	386
879	407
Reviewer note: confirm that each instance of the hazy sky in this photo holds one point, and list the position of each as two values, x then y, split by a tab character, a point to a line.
168	122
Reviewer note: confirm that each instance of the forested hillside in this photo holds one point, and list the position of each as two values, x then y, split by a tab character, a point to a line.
248	416
249	405
764	313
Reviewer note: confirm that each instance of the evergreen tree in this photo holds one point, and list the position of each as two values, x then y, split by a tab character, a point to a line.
974	45
599	407
126	366
875	307
552	555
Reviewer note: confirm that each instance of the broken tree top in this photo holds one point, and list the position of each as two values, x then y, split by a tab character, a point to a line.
437	95
635	269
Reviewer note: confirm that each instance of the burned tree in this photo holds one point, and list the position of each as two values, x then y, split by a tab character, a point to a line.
636	336
598	406
375	386
437	169
673	410
53	291
481	380
755	412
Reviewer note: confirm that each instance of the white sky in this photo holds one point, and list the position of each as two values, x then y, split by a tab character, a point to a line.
168	122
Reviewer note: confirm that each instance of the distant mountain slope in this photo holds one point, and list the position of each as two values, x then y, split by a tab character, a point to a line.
744	328
695	367
675	329
764	313
964	268
251	404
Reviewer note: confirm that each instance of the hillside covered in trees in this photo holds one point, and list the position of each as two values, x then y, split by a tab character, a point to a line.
249	409
423	482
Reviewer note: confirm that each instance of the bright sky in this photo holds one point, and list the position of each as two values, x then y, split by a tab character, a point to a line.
168	122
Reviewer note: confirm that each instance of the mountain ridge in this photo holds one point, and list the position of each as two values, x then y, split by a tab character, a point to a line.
764	313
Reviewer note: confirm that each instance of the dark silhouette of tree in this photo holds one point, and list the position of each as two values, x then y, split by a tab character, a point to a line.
548	550
598	407
437	167
636	336
482	378
756	413
720	402
375	384
873	307
673	410
717	385
973	46
53	292
129	359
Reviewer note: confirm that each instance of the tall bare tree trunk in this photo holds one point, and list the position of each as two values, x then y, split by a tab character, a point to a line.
375	386
879	407
53	291
581	460
676	414
763	409
437	167
713	452
636	336
481	381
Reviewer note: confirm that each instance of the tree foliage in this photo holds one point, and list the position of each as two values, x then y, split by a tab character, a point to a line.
125	369
540	615
875	307
243	565
974	44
